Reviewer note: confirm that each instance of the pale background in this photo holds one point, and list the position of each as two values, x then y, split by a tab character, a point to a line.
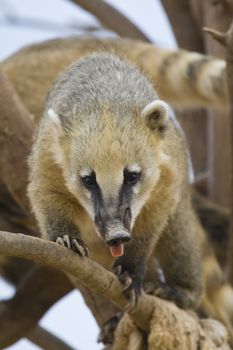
70	318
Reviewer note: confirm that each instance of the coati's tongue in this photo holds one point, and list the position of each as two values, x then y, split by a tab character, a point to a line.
117	250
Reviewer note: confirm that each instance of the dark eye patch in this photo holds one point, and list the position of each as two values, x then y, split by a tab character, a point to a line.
131	177
89	181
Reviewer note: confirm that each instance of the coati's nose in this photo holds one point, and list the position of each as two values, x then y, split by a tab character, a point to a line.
117	238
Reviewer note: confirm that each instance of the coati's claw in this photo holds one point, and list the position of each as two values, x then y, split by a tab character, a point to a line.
79	248
60	241
117	270
124	277
129	290
66	239
127	281
133	300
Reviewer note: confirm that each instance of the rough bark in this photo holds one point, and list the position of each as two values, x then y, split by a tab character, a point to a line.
99	280
112	18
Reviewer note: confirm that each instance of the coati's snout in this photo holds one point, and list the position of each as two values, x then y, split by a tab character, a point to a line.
114	233
108	199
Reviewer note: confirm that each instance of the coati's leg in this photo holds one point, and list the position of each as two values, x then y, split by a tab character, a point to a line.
133	262
54	213
178	251
64	232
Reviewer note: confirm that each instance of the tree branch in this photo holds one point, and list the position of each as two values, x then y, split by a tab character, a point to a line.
55	256
226	39
112	18
228	4
187	33
15	142
99	280
38	290
46	340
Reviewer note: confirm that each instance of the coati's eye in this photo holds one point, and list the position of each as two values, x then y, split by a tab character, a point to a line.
131	177
89	181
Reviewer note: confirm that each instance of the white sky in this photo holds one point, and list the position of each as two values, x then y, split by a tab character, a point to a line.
70	318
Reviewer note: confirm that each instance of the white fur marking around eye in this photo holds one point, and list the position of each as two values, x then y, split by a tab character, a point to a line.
85	172
134	167
54	117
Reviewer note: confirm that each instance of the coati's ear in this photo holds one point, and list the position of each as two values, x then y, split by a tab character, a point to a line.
156	115
55	120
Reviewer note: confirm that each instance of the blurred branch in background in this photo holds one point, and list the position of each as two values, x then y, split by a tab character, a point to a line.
226	39
35	23
46	340
38	290
112	19
14	149
186	30
10	16
228	4
194	123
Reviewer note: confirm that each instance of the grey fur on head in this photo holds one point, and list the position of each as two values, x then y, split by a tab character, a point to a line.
121	84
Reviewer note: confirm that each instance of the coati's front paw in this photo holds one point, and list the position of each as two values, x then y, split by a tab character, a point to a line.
76	245
164	291
132	287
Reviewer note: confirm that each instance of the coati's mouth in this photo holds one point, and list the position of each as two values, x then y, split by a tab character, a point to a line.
117	249
116	244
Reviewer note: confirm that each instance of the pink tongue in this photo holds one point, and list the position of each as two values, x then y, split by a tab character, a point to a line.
117	250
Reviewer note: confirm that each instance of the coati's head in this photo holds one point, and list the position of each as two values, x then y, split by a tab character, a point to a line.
111	164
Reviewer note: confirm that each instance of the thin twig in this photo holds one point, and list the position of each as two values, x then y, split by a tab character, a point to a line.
218	36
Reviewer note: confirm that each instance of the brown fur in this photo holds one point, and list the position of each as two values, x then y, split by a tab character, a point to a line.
101	127
33	69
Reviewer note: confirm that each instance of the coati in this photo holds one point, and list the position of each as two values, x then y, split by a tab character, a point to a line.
182	78
109	174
